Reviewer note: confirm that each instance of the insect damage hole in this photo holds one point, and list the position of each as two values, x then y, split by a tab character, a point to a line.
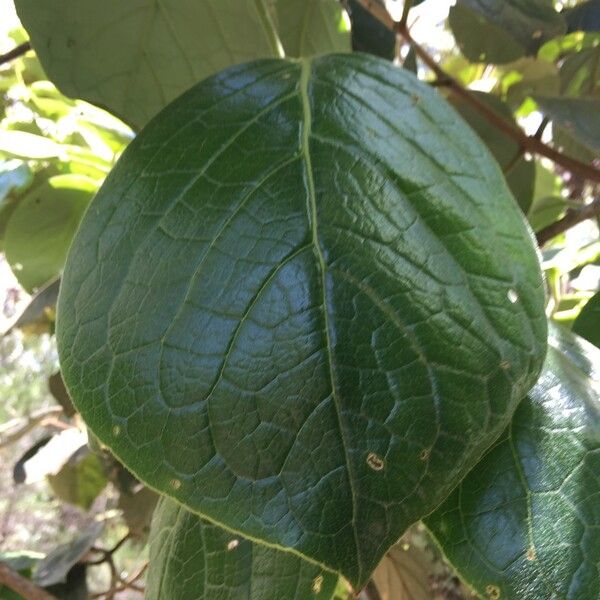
233	544
175	484
513	297
493	592
531	555
375	461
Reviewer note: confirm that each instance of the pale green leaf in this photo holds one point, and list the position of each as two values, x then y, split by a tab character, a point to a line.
40	229
134	57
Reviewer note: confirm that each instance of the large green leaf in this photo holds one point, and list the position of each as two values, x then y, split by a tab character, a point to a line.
191	559
135	57
40	229
303	303
519	172
500	31
524	524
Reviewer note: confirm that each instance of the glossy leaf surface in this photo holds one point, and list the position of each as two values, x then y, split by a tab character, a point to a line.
587	324
134	57
519	172
303	303
524	523
191	559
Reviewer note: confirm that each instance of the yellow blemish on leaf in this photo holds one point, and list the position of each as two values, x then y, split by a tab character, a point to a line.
425	454
116	430
175	484
493	592
317	584
531	554
233	544
375	462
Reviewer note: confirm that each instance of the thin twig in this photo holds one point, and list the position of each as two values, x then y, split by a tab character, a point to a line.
529	143
107	553
405	10
15	52
573	217
128	583
22	586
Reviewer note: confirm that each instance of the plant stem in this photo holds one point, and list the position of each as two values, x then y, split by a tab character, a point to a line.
405	10
15	52
528	143
18	584
573	217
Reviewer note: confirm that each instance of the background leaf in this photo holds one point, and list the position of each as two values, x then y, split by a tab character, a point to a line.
499	31
194	560
135	57
40	229
523	524
268	372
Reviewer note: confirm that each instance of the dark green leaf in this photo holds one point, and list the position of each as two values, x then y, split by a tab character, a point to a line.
587	324
40	229
369	34
135	57
524	523
55	567
519	172
308	314
482	40
584	17
580	117
499	31
190	559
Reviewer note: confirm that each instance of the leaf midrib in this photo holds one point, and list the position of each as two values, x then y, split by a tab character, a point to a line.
311	208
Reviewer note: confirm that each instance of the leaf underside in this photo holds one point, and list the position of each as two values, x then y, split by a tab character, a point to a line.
194	560
524	523
303	304
135	57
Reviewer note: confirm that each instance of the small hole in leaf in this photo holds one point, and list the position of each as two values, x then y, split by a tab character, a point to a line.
375	462
317	584
493	592
17	267
425	454
233	544
512	296
175	484
531	554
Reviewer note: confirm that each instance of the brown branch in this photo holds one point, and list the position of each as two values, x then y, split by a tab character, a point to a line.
24	587
529	143
405	10
15	52
573	217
